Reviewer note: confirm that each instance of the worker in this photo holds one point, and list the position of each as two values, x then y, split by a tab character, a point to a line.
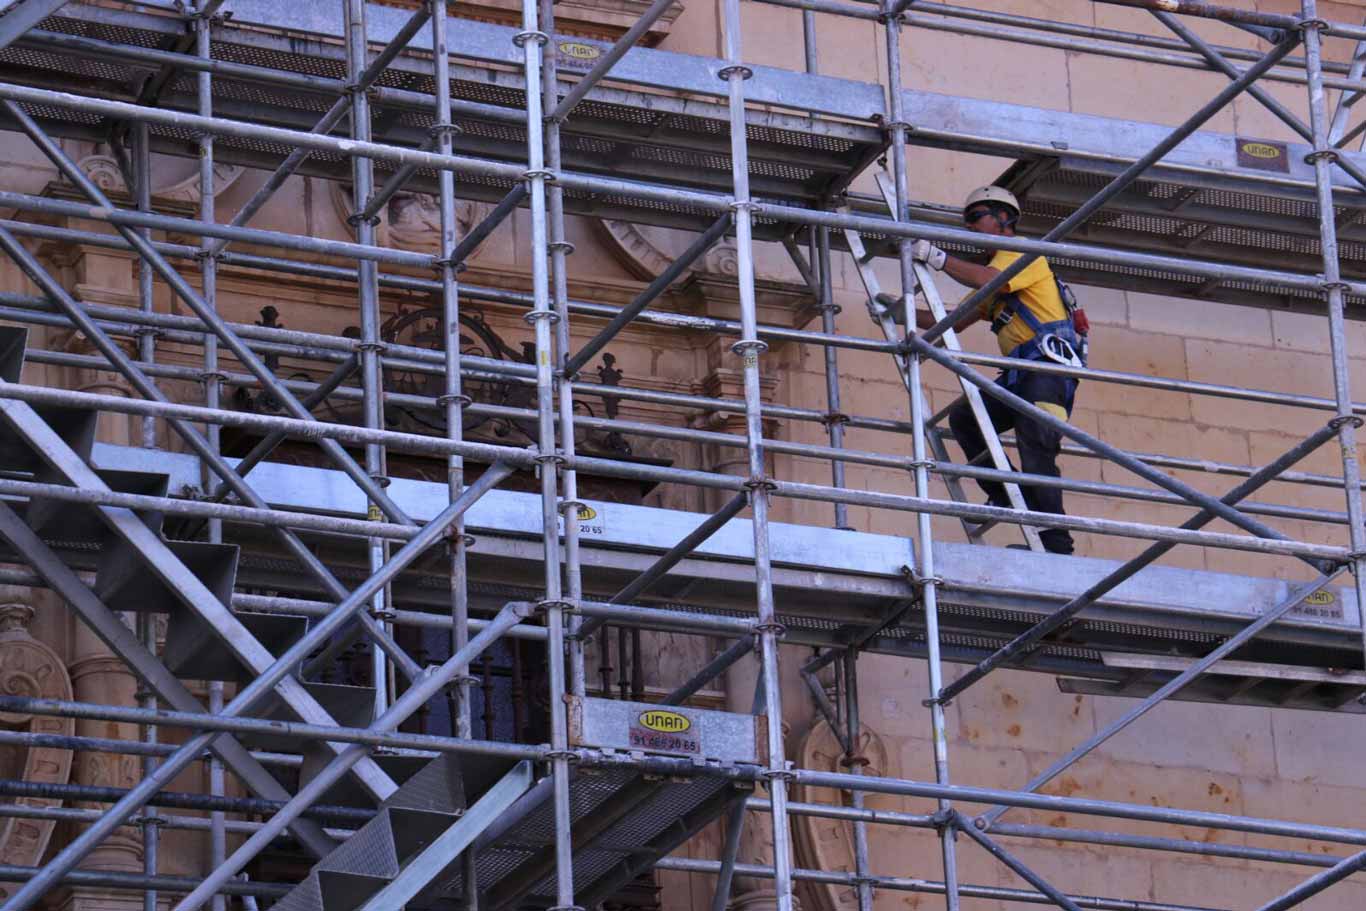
1032	316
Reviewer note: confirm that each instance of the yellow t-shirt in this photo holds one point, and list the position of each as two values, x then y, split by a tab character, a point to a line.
1036	289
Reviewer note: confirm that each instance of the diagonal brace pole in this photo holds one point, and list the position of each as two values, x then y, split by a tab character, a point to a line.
1317	883
1130	174
206	313
668	560
334	116
146	789
1014	863
1173	686
1348	100
1099	446
653	290
262	450
476	235
116	635
121	362
413	699
397	180
1125	571
609	60
1220	62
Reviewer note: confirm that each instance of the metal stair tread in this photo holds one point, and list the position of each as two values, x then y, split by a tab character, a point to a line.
194	652
81	522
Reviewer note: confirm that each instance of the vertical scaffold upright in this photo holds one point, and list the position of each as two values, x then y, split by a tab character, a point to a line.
768	156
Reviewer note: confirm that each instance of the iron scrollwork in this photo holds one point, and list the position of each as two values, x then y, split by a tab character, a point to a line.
421	328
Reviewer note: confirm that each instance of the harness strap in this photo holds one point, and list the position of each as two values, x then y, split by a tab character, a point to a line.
1015	307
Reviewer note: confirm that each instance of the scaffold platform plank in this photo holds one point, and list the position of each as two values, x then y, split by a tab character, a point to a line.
835	586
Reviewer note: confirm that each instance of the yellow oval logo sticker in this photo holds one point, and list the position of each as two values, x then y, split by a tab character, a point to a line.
1322	596
586	513
665	722
580	51
1261	150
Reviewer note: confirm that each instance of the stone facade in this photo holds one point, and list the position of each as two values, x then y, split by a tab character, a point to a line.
1236	760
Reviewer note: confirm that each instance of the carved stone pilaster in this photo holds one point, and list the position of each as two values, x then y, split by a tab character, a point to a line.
97	675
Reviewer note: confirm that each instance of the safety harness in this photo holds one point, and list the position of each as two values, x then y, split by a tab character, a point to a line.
1063	341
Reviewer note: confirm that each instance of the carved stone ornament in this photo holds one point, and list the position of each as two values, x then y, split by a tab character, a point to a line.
828	844
411	221
172	181
646	250
30	668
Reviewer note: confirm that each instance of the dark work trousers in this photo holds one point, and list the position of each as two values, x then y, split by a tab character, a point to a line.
1038	445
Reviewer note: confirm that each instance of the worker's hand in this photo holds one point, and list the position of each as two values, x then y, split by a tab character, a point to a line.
929	254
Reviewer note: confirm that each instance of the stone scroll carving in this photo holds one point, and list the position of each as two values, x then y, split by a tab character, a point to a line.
412	221
30	668
828	844
175	185
646	251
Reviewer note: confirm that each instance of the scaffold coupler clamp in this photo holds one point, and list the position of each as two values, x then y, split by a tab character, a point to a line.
760	629
785	774
855	761
545	605
1346	420
521	38
455	539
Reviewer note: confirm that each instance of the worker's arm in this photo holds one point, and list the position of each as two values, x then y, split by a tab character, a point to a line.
924	319
966	273
960	270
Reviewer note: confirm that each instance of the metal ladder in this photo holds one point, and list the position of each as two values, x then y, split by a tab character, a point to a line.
890	330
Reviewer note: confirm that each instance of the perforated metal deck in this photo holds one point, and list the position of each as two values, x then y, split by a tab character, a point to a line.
625	134
1182	215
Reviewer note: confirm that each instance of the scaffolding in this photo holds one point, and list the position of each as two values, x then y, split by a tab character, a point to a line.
341	89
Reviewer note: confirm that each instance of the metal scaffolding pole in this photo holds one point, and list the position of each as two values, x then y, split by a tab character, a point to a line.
921	886
212	379
925	578
454	400
560	249
750	348
367	286
835	419
532	41
1324	155
856	761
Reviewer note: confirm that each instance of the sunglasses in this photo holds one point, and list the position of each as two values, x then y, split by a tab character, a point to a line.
976	215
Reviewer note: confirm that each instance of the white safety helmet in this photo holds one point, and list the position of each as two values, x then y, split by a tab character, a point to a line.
992	194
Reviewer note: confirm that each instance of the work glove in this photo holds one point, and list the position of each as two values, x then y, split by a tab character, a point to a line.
929	254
